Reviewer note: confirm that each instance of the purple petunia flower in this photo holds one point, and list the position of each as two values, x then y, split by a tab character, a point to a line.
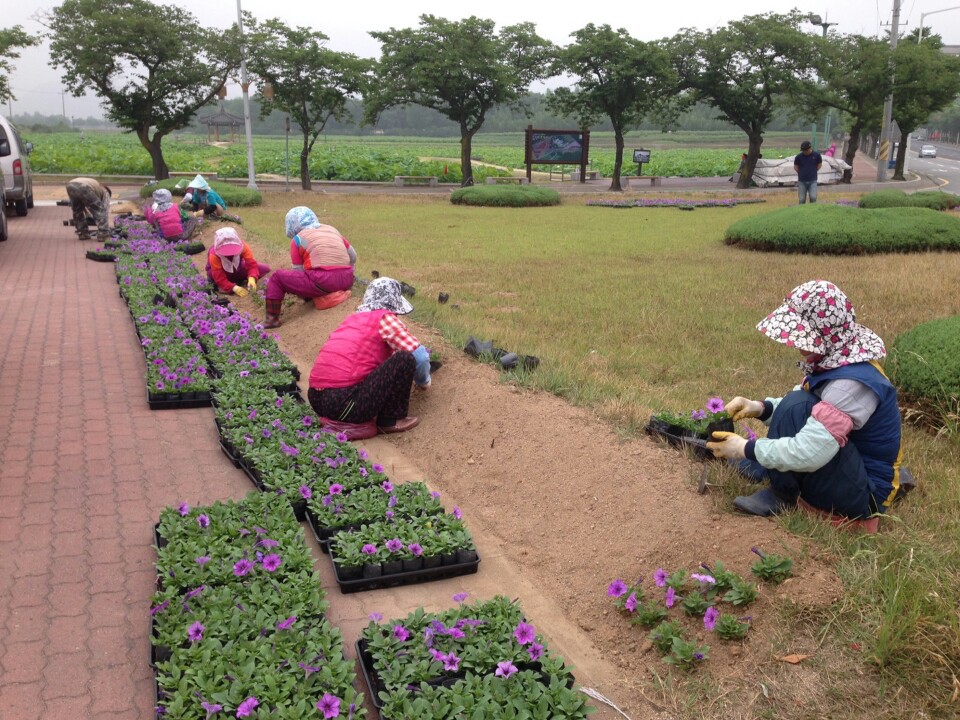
751	435
244	373
392	501
703	579
617	588
363	472
451	662
211	708
631	603
183	508
329	705
203	521
363	454
698	656
336	489
710	618
671	598
387	486
305	492
457	513
252	415
159	608
266	432
342	437
196	591
535	651
377	468
401	633
288	449
395	545
698	414
271	562
715	405
375	617
435	494
415	549
307	421
287	624
460	597
203	560
525	633
307	669
660	577
389	514
278	402
268	542
247	707
369	549
505	669
195	632
242	567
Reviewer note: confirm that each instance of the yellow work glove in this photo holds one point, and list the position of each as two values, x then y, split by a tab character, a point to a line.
252	284
239	291
727	445
741	407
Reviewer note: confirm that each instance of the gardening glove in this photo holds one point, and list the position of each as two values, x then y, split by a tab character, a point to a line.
252	284
740	408
727	445
239	291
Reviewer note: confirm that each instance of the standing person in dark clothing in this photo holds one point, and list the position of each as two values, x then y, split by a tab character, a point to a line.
807	165
89	197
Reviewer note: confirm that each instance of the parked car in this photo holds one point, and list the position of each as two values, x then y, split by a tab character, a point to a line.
928	151
15	163
3	209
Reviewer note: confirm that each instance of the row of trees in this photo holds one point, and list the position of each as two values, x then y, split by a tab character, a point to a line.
155	68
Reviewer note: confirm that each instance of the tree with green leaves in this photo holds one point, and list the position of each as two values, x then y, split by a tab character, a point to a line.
10	39
461	69
617	77
855	79
309	81
925	80
744	70
154	66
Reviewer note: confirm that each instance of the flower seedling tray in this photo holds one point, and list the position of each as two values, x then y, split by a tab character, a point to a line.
375	687
322	533
696	444
407	577
178	401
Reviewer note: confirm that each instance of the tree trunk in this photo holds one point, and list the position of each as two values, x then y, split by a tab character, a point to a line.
755	140
852	145
618	159
901	156
466	145
152	146
305	163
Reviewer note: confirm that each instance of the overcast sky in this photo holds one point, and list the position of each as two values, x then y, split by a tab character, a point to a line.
347	24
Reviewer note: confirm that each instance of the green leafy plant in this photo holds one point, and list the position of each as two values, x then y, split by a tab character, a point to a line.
694	604
932	199
501	196
729	627
686	654
772	568
662	635
741	592
648	614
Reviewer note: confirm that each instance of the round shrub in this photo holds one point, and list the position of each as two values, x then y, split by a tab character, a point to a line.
839	230
234	196
924	364
505	196
932	199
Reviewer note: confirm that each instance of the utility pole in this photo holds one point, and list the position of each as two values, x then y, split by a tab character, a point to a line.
885	145
932	12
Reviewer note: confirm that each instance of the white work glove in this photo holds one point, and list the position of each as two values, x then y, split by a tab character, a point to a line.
741	407
727	445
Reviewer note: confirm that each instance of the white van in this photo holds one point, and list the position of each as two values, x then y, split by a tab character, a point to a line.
15	163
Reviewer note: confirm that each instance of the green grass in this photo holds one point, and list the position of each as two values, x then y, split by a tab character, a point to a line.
632	312
837	230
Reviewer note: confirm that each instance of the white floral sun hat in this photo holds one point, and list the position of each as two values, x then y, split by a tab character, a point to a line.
817	317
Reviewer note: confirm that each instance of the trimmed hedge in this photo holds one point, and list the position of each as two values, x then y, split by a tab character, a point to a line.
924	364
932	199
838	230
505	196
234	196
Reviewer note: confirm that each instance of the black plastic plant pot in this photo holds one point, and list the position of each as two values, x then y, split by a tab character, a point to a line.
448	558
372	570
509	361
375	274
475	348
408	290
466	556
659	426
433	561
350	573
392	567
725	425
411	564
531	362
443	297
435	365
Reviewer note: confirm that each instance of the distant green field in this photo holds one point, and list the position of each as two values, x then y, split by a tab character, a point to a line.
380	158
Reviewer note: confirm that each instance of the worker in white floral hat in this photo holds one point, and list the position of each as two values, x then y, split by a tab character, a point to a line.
834	441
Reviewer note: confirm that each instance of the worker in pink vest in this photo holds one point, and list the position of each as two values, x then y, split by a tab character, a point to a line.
168	219
369	364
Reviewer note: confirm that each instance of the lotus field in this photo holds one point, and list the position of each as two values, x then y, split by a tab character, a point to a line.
357	158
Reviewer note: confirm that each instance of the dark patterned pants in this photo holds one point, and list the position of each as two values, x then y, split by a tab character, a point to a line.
384	394
83	200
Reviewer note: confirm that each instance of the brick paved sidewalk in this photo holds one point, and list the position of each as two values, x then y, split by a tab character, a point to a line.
85	468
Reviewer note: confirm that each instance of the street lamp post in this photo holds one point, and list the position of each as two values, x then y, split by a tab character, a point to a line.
245	86
817	20
932	12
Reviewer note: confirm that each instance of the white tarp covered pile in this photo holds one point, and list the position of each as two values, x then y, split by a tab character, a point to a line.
781	172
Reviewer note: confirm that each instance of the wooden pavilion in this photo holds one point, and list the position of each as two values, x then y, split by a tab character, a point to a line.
222	119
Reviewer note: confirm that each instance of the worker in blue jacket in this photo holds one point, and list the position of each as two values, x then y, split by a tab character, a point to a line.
834	441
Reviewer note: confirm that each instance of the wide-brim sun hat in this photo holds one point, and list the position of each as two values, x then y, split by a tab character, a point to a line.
226	243
384	294
198	183
817	317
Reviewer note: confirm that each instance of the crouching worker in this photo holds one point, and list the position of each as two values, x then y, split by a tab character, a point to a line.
834	441
90	198
323	263
367	367
200	196
231	265
170	220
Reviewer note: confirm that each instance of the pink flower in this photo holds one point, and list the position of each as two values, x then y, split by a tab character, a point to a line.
660	577
631	603
710	618
329	705
505	669
671	597
524	633
247	707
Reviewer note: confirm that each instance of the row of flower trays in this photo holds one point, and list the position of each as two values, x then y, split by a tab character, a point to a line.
238	626
478	660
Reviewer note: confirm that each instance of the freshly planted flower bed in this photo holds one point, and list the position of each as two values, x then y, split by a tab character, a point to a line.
471	661
402	552
680	203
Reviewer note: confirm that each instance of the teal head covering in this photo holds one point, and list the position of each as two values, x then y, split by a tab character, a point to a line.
300	218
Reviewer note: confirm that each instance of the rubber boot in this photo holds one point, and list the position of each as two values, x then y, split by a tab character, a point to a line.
272	319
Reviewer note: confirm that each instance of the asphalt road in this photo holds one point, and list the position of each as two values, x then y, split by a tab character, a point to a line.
944	169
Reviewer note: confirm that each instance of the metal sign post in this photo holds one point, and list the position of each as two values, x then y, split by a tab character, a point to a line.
640	157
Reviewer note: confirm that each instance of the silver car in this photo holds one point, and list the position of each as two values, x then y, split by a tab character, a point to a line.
928	151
